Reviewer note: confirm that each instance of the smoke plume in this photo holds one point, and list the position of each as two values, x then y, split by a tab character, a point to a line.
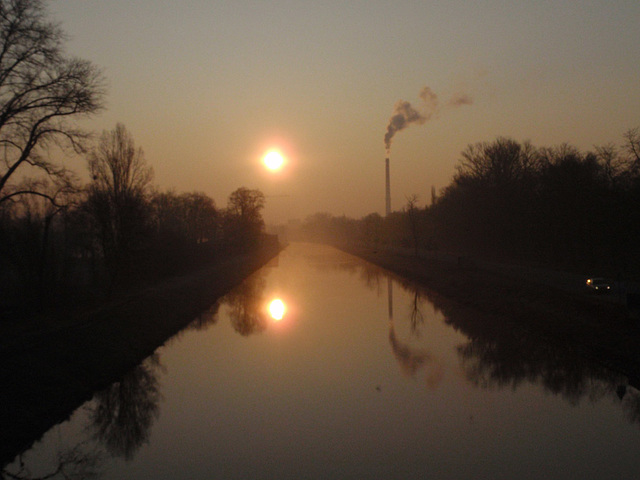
404	114
460	99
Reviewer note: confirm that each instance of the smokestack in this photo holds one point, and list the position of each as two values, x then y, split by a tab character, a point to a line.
388	189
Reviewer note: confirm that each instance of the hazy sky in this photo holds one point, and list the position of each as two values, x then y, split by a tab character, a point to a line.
205	87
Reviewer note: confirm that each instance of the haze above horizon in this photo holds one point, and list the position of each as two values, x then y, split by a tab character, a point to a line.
206	88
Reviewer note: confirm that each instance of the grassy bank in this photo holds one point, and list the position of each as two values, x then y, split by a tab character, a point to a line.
50	366
597	329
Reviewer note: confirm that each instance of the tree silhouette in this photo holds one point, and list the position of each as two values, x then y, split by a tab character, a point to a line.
117	198
124	412
246	306
243	220
41	92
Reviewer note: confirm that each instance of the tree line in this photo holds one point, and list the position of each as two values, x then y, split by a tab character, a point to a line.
512	201
60	238
118	230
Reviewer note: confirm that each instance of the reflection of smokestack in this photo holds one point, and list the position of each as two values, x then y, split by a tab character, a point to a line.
388	187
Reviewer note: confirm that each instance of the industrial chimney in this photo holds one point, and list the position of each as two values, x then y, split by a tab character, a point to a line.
388	185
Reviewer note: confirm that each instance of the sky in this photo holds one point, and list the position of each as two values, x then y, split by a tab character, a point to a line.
207	87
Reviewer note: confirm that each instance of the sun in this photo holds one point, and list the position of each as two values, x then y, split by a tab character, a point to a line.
277	309
273	160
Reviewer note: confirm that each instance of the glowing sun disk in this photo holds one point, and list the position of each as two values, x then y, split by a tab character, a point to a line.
277	309
273	160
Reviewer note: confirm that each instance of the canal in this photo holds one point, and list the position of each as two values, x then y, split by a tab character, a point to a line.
322	366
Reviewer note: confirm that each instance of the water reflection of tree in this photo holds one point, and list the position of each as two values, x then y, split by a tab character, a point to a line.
246	305
120	420
409	358
206	319
124	412
502	354
79	462
416	317
509	362
630	398
372	275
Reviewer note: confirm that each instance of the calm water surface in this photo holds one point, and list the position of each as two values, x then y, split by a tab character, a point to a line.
362	376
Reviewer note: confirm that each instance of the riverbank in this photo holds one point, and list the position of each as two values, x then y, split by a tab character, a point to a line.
50	366
594	326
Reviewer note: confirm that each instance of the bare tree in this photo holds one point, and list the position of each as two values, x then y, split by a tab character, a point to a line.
632	146
247	204
41	91
191	216
244	223
117	195
201	217
29	239
118	167
498	163
187	230
412	210
612	163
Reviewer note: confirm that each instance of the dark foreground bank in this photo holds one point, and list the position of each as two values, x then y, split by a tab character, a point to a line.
51	367
592	326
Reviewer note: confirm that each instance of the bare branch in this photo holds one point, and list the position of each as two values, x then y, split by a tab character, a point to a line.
29	192
632	146
41	90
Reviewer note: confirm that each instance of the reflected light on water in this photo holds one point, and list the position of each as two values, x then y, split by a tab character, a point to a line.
277	309
318	323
